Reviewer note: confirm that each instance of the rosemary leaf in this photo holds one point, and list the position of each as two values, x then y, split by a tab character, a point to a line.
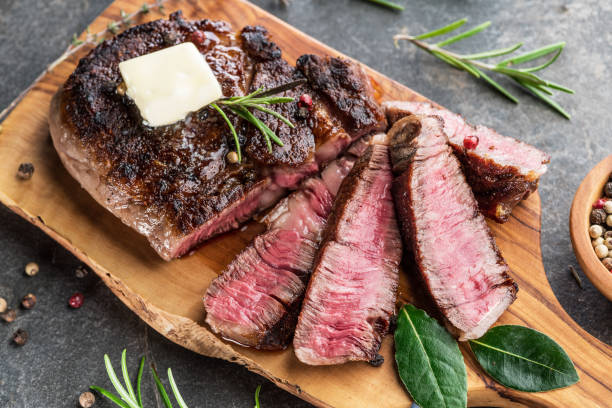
388	4
440	31
497	86
465	34
494	53
248	116
139	380
456	62
232	129
540	52
545	65
175	390
257	396
271	112
559	87
518	74
546	99
118	387
271	100
126	376
160	388
110	396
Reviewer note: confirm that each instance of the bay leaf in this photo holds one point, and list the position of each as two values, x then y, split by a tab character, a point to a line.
429	362
524	359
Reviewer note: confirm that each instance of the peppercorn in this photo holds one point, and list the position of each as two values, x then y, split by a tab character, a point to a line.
595	231
122	88
76	300
20	337
3	305
607	262
31	269
9	316
87	399
598	216
597	241
601	251
471	142
609	220
197	37
305	101
28	301
608	234
608	243
599	203
81	271
25	171
377	361
608	207
608	189
232	157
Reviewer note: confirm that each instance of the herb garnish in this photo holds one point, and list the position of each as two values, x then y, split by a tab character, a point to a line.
472	63
240	106
429	361
387	3
524	359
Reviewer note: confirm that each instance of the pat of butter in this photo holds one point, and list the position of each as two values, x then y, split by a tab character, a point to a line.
168	84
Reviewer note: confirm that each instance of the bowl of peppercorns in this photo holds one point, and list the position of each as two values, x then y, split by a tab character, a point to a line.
591	226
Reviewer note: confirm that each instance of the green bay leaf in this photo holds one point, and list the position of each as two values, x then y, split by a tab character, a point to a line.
524	359
429	361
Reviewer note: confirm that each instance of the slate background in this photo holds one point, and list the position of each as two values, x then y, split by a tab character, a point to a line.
64	354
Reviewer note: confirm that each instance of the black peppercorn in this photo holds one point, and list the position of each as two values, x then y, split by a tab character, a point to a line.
377	361
25	171
9	316
598	216
28	301
608	189
20	337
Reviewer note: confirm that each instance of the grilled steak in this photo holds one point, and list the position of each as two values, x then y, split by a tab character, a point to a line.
469	284
256	300
501	170
351	296
172	183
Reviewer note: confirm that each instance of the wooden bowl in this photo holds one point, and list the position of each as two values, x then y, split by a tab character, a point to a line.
590	190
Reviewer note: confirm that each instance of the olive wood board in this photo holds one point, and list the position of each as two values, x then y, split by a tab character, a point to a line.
167	295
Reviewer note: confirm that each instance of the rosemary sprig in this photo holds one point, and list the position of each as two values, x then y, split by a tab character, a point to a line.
388	4
241	106
471	63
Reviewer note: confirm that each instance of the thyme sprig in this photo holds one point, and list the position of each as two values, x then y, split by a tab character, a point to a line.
473	64
258	100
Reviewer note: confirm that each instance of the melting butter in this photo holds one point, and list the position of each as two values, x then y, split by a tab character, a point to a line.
168	84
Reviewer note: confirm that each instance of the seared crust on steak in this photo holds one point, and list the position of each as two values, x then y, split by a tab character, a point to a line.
173	183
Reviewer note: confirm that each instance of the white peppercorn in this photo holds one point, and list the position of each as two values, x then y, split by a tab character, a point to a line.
608	207
3	305
609	220
31	269
597	241
601	251
608	242
595	231
87	399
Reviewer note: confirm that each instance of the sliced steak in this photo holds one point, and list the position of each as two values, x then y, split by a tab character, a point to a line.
501	170
255	301
351	296
173	183
435	205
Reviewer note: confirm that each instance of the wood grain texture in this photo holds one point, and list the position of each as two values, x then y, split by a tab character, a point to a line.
168	295
589	191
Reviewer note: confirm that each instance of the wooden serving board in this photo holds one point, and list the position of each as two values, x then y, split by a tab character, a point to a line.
167	295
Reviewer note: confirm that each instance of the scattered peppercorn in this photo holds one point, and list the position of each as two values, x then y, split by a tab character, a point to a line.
122	88
87	399
20	337
9	316
608	189
31	269
25	171
3	305
76	300
305	101
197	37
598	216
599	203
607	262
232	157
377	361
81	271
471	142
28	301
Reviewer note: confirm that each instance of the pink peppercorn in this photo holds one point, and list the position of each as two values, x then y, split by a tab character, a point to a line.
599	203
305	101
197	37
76	300
470	142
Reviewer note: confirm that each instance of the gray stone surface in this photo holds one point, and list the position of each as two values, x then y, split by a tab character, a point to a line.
65	352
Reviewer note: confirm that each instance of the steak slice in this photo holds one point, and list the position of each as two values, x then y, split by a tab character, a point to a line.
172	183
470	283
501	170
351	296
256	300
